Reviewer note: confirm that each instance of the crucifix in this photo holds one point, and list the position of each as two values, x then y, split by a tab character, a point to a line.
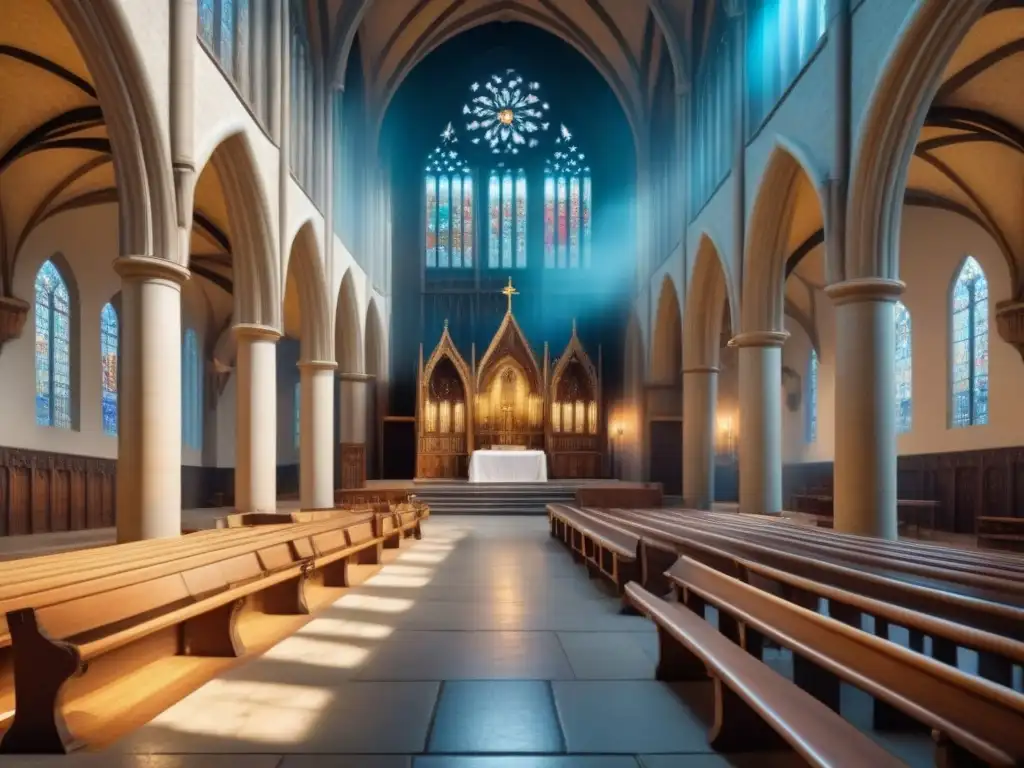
509	292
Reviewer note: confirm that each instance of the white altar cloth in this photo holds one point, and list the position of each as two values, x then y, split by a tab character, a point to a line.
508	467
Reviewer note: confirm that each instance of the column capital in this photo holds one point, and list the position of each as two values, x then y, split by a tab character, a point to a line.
701	369
356	377
256	332
865	289
759	339
317	365
150	268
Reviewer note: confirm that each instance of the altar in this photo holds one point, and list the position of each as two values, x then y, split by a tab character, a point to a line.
490	466
509	416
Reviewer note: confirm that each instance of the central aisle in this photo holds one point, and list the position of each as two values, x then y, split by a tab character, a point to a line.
482	639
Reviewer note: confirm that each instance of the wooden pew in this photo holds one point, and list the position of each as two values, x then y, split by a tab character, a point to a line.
971	719
110	625
756	708
1001	533
604	547
723	552
625	495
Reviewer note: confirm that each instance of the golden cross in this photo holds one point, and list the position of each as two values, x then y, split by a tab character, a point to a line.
509	292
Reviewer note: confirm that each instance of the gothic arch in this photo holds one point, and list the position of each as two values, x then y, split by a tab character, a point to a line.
789	188
376	361
666	363
710	298
348	333
256	285
892	123
306	298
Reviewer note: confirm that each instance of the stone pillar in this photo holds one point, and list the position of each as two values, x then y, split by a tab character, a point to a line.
149	399
316	433
864	488
760	457
256	418
352	423
700	400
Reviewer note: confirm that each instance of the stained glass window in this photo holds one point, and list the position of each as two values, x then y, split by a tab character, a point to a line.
449	206
505	113
242	33
521	220
811	410
506	220
226	54
903	368
297	414
191	392
549	221
108	357
207	12
567	205
970	346
53	348
494	210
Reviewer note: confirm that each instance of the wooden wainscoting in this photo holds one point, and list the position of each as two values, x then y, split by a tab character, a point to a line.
967	484
43	492
353	465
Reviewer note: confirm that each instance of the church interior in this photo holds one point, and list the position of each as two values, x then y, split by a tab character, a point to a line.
511	383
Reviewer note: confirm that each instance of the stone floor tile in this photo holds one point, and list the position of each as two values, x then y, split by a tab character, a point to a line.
608	655
633	717
522	761
346	761
749	760
501	716
113	760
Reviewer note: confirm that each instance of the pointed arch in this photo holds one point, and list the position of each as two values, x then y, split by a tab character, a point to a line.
376	358
306	296
788	183
709	304
666	363
254	260
348	333
892	123
969	338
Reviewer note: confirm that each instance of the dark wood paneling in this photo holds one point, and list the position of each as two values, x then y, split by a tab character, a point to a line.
967	484
353	465
666	452
43	492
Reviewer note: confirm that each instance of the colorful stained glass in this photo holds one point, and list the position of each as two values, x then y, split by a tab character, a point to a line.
242	40
811	409
549	221
521	220
108	359
206	20
587	207
574	222
226	54
456	221
191	392
506	221
467	221
903	368
443	222
494	203
53	348
970	346
431	212
563	224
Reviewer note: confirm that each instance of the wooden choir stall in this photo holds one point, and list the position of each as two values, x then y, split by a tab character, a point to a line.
509	413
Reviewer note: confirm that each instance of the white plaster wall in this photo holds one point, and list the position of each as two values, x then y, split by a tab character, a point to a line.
149	23
87	239
796	354
933	244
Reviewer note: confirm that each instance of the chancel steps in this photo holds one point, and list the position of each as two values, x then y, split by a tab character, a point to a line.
454	498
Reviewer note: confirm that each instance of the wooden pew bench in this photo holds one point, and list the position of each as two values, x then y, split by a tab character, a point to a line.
72	640
756	709
1001	533
603	547
971	719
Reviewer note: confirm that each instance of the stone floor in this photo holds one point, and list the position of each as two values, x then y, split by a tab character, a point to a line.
482	646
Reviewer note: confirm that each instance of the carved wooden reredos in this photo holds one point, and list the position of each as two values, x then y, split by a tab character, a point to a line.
511	400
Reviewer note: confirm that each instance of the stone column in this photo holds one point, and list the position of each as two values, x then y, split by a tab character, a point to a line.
864	488
149	400
700	399
760	420
352	423
316	433
256	418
